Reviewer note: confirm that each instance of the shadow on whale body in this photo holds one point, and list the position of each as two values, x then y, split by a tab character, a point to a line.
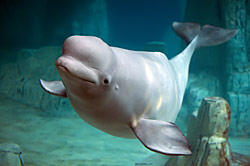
131	94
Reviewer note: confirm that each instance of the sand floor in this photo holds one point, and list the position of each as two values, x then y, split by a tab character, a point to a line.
47	141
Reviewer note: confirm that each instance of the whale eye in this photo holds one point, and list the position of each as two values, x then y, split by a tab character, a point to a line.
107	80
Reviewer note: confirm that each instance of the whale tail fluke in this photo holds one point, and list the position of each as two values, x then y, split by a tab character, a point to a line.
208	35
195	36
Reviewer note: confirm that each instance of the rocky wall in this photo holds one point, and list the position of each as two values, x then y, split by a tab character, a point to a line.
235	15
27	28
20	81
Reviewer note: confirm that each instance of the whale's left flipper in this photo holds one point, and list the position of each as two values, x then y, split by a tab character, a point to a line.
160	136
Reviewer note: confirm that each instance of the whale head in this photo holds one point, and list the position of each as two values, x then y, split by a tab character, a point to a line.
86	68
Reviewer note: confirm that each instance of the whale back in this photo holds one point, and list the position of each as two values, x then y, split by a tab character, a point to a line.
152	81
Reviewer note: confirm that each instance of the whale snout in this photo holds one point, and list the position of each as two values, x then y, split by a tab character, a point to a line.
67	65
59	62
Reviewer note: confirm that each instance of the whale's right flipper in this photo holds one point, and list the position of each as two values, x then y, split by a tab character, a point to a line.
160	136
54	87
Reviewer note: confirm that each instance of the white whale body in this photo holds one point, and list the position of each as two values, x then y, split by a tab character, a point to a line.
131	94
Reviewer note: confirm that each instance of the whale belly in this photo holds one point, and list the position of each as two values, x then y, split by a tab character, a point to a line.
111	120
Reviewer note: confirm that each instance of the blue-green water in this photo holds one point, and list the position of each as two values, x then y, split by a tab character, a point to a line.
46	127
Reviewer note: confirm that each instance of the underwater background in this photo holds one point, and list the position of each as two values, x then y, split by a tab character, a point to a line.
48	130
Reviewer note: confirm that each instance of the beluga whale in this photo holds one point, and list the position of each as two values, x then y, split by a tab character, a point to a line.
131	94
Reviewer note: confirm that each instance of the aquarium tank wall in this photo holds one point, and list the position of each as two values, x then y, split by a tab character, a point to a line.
48	131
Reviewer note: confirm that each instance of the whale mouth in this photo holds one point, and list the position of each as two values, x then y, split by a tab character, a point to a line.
65	69
74	67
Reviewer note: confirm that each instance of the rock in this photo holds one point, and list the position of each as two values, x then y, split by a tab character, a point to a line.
199	85
20	81
10	155
208	135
